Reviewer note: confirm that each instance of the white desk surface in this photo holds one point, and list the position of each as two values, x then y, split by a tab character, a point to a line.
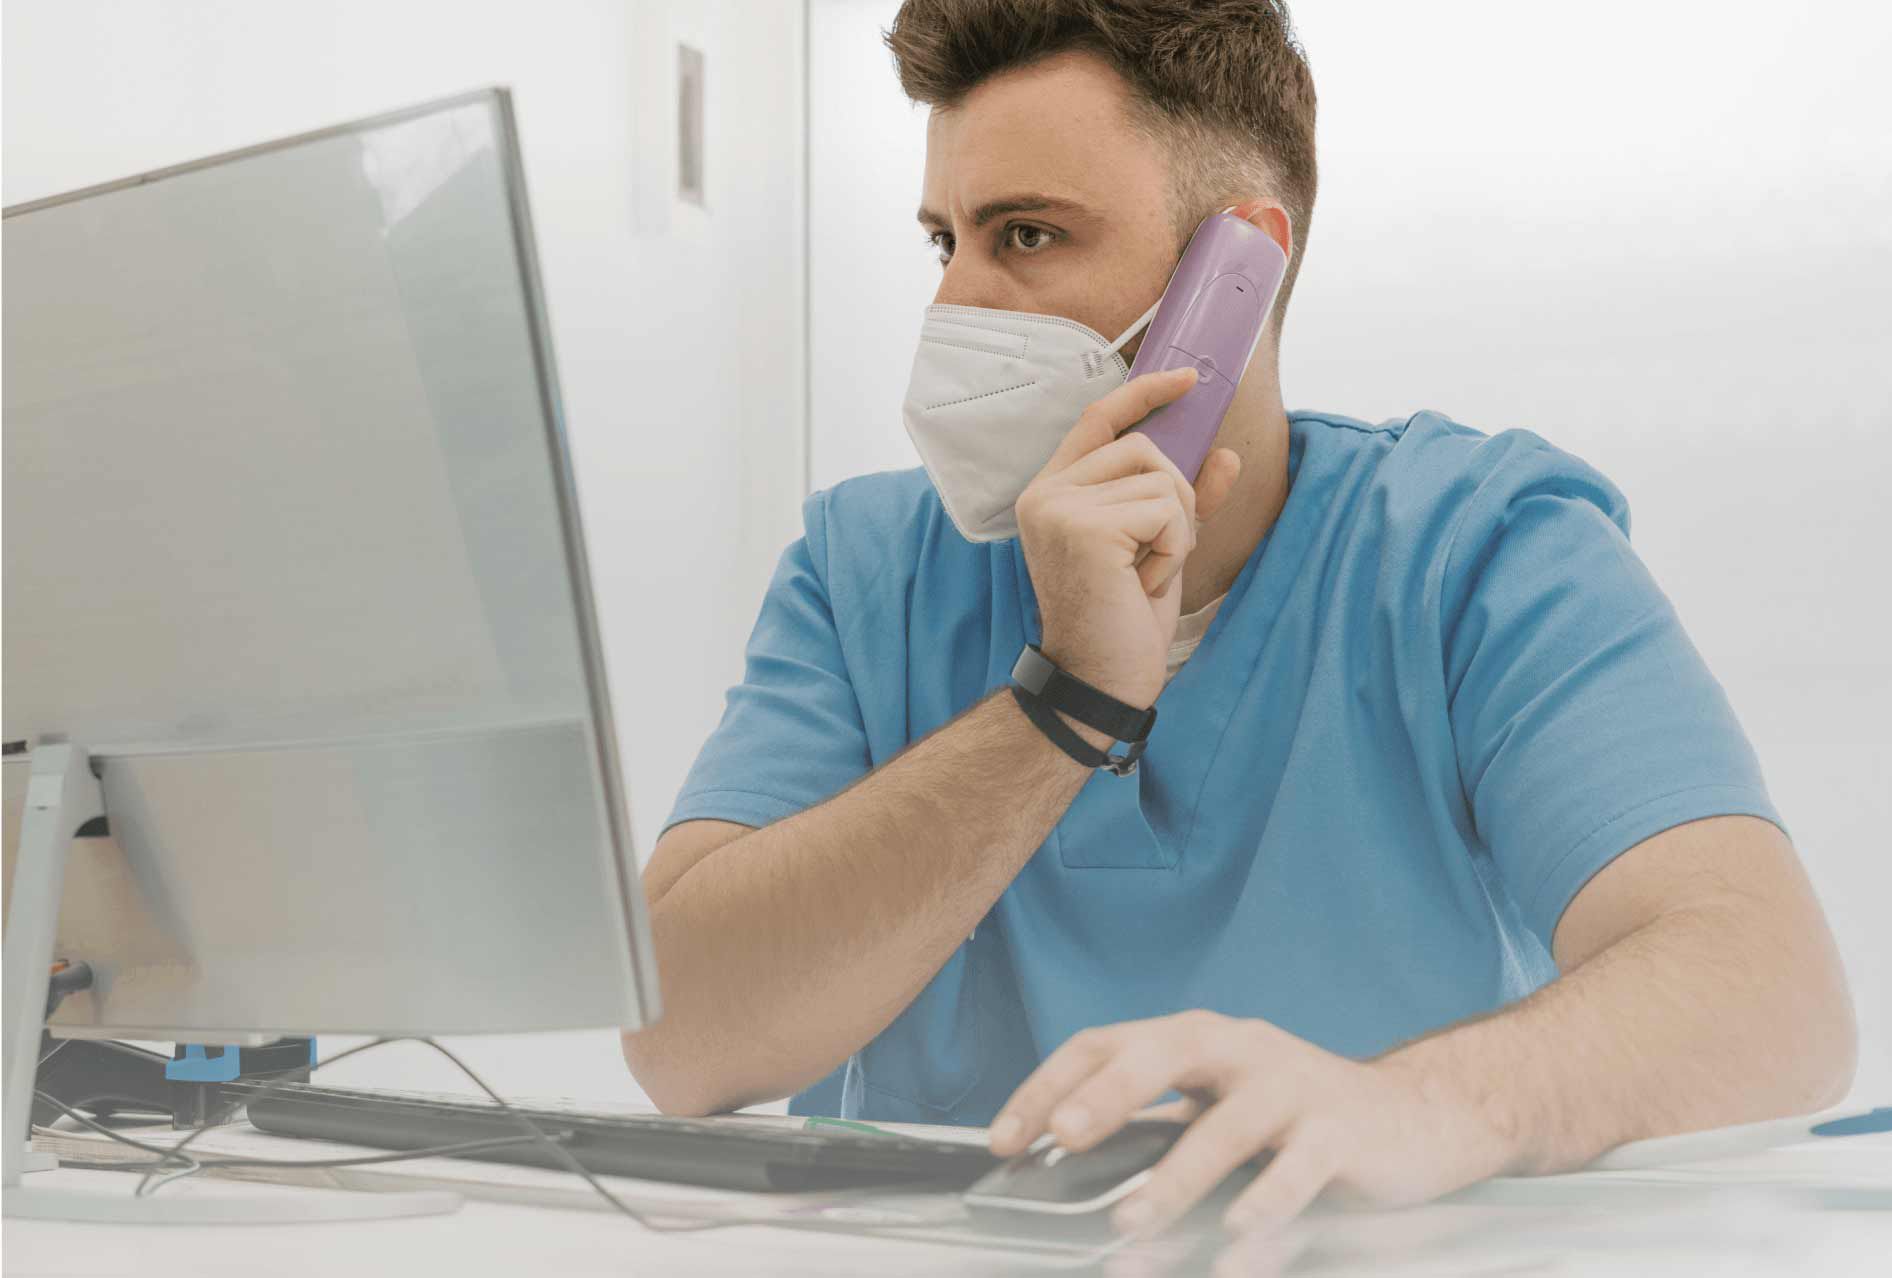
1739	1232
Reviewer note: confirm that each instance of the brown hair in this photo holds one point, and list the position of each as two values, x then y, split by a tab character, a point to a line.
1224	83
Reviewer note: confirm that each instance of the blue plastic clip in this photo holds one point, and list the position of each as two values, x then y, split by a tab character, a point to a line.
198	1066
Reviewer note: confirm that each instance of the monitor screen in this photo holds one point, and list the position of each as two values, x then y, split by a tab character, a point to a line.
291	547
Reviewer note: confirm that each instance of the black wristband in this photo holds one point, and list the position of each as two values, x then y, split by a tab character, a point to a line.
1067	740
1092	707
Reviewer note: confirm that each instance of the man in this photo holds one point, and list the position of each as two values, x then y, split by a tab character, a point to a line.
1446	856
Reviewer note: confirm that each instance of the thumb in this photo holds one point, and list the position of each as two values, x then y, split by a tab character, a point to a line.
1117	412
1216	481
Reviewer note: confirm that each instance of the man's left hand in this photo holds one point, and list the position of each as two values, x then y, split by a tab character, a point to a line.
1377	1132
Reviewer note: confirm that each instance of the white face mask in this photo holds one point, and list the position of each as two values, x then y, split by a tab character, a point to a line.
992	394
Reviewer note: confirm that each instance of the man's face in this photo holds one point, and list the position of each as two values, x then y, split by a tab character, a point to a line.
1043	198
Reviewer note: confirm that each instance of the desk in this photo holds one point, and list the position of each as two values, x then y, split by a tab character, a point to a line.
1739	1234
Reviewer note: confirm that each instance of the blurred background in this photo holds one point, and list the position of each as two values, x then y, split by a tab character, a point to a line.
1659	235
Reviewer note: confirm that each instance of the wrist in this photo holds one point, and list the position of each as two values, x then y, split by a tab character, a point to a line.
1474	1111
1059	702
1101	740
1088	735
1131	691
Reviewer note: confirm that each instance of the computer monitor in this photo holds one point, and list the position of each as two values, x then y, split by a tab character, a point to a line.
299	637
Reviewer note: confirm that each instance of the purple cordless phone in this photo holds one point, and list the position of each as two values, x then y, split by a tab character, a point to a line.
1211	317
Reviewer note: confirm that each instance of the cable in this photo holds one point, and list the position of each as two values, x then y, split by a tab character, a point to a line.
246	1160
170	1156
570	1159
145	1185
534	1134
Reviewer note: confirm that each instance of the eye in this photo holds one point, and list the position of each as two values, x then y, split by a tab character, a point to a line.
1027	238
942	242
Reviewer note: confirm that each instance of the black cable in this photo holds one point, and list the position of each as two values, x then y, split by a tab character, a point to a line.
168	1156
145	1186
570	1159
534	1135
246	1160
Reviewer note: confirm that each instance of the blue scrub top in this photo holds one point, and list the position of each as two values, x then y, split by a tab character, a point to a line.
1441	694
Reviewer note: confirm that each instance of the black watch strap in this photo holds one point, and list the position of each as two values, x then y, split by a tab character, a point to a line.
1067	740
1061	690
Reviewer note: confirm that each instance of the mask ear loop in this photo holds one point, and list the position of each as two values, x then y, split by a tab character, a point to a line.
1142	321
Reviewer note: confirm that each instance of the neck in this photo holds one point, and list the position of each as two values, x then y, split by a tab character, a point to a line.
1256	430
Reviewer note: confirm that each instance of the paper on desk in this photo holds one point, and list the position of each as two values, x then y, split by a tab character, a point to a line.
507	1182
915	1217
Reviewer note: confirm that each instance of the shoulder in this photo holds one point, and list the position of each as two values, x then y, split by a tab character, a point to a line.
887	509
885	501
1435	484
872	532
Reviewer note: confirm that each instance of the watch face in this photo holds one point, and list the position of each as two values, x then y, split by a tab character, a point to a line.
1032	670
1054	692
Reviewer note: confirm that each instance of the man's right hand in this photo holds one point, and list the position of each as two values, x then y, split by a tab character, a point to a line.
787	947
1106	527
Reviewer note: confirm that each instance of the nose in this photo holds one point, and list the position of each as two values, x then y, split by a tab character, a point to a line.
967	281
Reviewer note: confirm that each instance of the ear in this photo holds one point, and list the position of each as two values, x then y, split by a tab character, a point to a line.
1272	217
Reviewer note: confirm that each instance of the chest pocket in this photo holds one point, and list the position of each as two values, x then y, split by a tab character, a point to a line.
1119	823
923	1065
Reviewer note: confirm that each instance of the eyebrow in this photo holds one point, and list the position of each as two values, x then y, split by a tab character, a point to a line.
1009	204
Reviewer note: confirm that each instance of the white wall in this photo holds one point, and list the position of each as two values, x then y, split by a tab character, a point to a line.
677	329
1662	244
871	272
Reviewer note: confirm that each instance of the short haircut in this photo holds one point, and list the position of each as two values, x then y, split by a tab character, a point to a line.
1223	85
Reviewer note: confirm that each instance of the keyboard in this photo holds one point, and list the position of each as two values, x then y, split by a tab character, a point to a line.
748	1152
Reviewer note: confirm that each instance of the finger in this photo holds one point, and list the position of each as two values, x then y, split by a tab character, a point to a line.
1299	1170
1215	481
1117	412
1130	488
1263	1255
1140	1071
1189	1052
1181	1110
1227	1135
1131	455
1022	1118
1158	1259
1160	568
1156	573
1160	529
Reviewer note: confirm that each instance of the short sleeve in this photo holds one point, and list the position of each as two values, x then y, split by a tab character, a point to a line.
791	735
1584	719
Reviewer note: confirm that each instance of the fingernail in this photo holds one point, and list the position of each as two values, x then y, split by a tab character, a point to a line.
1134	1216
1005	1130
1071	1120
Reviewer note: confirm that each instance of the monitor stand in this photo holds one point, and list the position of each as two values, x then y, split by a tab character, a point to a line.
62	796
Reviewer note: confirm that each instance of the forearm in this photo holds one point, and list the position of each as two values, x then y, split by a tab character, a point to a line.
1718	1013
785	950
